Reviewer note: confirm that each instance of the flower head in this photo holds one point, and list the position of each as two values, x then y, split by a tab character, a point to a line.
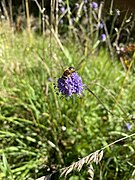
101	26
85	1
127	126
72	85
77	5
62	9
103	37
94	5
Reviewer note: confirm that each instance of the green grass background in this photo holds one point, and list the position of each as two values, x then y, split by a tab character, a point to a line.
40	131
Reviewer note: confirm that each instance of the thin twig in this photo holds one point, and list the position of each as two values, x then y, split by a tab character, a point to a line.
42	11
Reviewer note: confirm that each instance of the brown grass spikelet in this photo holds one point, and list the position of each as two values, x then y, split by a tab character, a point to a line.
88	160
90	172
94	157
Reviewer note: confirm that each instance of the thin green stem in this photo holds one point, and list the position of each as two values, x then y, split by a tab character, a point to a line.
118	140
98	99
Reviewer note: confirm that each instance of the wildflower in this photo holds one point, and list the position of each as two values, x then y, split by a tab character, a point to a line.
77	5
103	37
62	9
2	17
127	126
84	8
101	26
61	21
72	85
85	1
94	5
63	128
50	79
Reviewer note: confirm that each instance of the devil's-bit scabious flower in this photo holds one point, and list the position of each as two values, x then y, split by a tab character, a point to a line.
94	5
72	85
103	37
62	9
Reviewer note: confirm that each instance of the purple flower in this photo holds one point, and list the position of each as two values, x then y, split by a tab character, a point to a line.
62	10
103	37
85	1
94	5
72	85
101	26
127	126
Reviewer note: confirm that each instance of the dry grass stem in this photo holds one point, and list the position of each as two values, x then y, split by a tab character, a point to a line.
95	157
88	160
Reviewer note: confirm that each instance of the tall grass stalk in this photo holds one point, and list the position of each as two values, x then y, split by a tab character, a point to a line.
57	17
3	3
11	13
126	78
28	17
42	11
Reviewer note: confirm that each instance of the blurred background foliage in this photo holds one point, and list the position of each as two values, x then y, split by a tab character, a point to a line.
41	131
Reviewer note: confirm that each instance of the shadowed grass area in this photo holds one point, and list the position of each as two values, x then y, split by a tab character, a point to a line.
40	131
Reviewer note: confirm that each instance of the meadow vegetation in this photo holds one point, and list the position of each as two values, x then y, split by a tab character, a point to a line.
42	131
